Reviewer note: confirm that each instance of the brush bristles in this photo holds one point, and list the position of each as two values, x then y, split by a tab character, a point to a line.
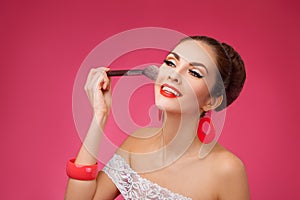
151	72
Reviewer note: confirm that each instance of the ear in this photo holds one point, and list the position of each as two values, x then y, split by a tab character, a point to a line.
213	103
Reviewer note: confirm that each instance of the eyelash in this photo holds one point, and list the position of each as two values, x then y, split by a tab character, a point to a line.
191	71
169	63
194	73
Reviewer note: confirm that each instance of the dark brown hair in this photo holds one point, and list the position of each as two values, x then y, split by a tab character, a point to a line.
231	68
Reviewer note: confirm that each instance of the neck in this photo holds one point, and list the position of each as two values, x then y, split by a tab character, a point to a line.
177	137
179	131
175	124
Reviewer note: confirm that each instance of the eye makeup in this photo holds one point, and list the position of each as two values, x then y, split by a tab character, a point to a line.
195	71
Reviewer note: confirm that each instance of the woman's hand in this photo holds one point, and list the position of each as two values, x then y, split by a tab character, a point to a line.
97	88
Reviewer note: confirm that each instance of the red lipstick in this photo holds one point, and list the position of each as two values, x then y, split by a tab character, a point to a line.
169	91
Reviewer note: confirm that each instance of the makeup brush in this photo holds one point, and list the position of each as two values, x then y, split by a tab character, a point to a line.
150	72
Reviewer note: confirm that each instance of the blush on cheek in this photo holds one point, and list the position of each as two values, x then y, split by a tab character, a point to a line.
164	72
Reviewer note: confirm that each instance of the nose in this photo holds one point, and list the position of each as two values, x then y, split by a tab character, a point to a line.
175	76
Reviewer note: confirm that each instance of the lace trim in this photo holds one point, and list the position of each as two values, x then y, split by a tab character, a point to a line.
132	186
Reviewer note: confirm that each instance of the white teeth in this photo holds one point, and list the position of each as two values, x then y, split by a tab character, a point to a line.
165	88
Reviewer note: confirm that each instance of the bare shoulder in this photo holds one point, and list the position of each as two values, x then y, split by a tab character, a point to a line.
230	173
227	163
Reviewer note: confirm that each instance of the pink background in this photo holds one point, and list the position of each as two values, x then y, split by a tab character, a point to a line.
43	44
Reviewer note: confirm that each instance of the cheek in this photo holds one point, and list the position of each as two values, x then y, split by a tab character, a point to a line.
156	90
160	77
202	94
163	73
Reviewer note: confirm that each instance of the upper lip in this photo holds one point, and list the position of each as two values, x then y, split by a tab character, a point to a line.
171	87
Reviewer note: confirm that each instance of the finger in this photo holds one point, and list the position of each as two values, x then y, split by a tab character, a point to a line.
103	69
89	77
92	76
90	83
103	81
109	84
106	83
98	81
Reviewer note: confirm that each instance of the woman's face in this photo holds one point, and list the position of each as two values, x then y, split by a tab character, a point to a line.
185	78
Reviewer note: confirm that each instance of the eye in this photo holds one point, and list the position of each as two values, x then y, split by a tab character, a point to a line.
195	73
170	63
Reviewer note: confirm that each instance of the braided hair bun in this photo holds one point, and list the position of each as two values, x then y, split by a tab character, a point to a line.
237	76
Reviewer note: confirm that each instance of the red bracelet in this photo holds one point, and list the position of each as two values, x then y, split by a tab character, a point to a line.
81	172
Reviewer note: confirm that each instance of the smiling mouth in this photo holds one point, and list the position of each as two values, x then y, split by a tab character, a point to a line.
169	91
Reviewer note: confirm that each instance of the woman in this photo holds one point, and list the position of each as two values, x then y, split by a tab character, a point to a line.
198	76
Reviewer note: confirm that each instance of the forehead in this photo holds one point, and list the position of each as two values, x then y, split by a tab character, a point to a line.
195	51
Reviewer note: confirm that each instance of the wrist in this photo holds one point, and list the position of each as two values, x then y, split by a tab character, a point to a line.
81	172
100	118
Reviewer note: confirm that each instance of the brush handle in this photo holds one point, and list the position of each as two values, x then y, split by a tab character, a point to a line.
133	72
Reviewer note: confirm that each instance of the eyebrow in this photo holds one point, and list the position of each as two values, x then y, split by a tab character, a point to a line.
192	63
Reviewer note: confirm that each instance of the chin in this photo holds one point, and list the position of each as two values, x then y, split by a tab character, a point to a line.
168	105
165	104
174	107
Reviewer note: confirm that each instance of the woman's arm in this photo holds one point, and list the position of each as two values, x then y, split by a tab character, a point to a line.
97	88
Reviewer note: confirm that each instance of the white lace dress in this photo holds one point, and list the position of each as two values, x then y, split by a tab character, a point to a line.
134	187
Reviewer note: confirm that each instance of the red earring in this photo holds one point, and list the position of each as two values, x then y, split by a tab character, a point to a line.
208	135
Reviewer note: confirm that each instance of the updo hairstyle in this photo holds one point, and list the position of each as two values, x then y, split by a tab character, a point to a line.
231	68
